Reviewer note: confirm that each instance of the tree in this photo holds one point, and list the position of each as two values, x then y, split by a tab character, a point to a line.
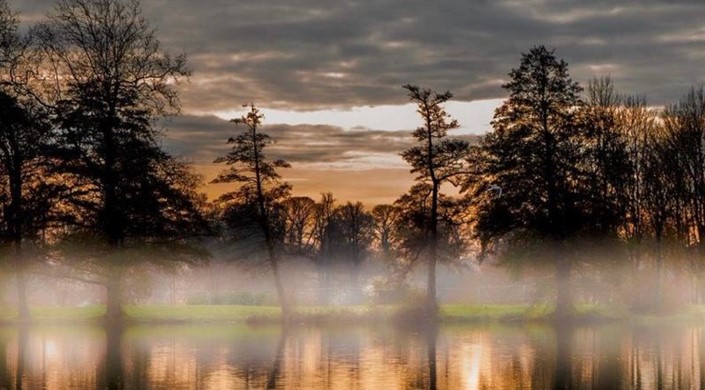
27	193
606	159
299	219
436	160
534	155
107	79
260	192
637	123
23	134
324	232
684	125
385	217
354	236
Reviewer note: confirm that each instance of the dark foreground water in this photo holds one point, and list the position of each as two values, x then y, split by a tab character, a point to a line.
450	357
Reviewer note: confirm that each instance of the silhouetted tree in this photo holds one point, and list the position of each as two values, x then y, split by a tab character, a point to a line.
260	192
24	134
658	197
636	123
27	193
385	217
684	125
107	79
414	211
354	236
299	212
606	159
324	231
436	160
534	155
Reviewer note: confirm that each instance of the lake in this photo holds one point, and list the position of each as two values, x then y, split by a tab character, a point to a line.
349	357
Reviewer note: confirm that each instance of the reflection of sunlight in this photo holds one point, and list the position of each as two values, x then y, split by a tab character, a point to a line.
471	358
220	379
51	350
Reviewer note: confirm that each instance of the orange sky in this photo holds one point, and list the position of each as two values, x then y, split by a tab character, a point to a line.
370	186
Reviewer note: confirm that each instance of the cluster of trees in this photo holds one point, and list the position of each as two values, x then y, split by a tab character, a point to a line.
87	191
564	179
589	178
83	175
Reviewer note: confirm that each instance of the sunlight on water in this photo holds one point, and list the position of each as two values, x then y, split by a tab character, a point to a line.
452	357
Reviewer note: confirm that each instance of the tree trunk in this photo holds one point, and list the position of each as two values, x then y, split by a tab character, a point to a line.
356	290
281	294
22	305
659	266
113	306
431	303
564	295
324	283
17	233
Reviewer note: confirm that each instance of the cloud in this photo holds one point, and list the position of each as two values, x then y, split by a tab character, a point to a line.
203	138
357	164
309	54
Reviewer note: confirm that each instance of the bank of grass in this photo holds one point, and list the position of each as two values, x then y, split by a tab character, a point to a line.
451	313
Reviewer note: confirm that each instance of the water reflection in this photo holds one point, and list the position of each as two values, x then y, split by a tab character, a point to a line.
447	357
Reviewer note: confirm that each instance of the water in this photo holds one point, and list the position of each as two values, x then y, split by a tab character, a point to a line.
450	357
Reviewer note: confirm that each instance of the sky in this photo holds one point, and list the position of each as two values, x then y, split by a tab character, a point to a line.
328	74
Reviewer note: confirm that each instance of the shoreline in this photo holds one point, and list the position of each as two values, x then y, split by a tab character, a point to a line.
455	314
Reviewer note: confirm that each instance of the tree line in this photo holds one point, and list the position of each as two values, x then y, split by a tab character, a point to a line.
87	191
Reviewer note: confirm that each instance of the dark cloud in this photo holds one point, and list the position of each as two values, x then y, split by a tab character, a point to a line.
306	54
203	138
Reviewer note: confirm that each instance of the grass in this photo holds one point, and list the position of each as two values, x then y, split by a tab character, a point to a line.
236	314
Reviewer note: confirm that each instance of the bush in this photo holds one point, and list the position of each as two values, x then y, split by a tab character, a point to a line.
234	298
382	292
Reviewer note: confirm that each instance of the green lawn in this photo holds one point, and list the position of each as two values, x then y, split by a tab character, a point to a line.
453	313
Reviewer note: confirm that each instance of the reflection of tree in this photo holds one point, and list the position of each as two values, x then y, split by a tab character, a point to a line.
275	370
609	368
22	353
431	340
5	379
564	347
700	347
113	367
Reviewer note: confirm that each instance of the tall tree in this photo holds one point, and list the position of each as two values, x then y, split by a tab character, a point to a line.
260	192
533	154
636	123
108	79
435	160
24	133
684	124
606	158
